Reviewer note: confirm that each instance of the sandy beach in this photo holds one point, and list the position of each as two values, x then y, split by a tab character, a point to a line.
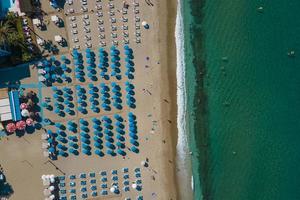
155	93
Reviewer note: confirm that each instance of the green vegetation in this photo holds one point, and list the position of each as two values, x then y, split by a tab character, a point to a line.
12	37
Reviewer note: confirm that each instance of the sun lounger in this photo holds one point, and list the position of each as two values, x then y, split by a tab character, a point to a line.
88	45
75	40
98	7
84	9
124	19
73	25
74	31
73	18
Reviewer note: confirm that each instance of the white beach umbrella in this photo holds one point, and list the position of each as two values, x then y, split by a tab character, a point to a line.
40	41
36	22
54	18
57	38
43	177
42	78
143	163
25	113
41	71
144	23
52	197
134	186
51	188
112	189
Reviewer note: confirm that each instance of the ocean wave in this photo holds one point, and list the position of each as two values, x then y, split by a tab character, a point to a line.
182	143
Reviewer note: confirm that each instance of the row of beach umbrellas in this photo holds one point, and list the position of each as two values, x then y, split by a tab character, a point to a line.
132	123
130	100
129	64
115	59
103	63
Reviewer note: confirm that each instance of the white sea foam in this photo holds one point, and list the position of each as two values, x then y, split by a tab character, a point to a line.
183	163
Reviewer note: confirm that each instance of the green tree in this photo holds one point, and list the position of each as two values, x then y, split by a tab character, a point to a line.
6	30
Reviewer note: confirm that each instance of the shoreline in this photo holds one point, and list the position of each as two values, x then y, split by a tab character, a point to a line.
167	48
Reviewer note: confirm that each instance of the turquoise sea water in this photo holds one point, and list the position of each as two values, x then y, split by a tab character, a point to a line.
244	109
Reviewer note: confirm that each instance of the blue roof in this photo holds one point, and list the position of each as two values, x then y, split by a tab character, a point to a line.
15	105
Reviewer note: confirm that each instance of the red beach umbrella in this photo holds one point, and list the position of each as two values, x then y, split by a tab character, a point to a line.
11	127
21	125
29	122
23	106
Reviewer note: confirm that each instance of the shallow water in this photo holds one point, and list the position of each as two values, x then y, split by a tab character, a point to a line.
249	147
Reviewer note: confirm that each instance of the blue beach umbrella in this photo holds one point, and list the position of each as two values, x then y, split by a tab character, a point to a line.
98	133
44	104
97	127
62	133
74	145
97	139
99	153
126	47
63	57
83	122
107	119
51	150
85	140
110	145
86	152
62	139
134	149
120	131
108	132
119	124
118	117
96	121
96	109
120	144
50	140
87	50
84	128
84	135
71	123
86	146
118	100
117	94
62	147
134	142
109	139
120	137
133	130
110	152
98	145
121	152
128	51
131	115
73	151
118	106
133	135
